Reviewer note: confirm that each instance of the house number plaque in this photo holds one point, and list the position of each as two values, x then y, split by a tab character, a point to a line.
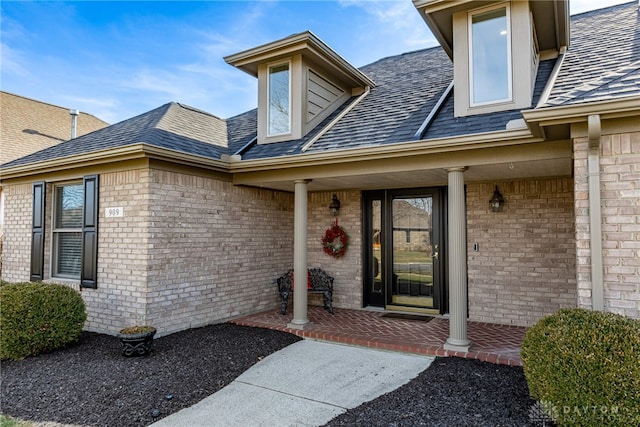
114	212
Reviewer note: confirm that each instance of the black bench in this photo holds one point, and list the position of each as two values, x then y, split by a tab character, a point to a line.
318	282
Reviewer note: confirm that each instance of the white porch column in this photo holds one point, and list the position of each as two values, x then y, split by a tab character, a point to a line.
457	254
300	319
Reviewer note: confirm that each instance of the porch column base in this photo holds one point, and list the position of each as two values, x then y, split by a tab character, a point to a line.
299	326
457	345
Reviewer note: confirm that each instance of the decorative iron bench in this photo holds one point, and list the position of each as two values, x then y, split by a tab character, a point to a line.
318	282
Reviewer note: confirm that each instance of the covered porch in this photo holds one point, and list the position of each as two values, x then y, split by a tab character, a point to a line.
462	175
493	343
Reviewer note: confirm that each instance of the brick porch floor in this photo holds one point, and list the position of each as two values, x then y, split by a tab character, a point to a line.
492	343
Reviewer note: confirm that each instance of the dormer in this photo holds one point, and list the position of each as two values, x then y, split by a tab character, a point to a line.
301	81
496	47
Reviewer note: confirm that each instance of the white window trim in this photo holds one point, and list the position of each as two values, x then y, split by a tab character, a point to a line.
509	55
55	230
269	67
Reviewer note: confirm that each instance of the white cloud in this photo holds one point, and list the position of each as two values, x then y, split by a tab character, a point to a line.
393	25
12	62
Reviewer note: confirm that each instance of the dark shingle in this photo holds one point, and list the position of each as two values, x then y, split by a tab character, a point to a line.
603	60
171	126
407	88
241	130
446	125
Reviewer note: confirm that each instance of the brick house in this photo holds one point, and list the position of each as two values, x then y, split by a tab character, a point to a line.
498	181
29	125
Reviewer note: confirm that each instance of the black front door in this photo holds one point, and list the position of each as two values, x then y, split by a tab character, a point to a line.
404	254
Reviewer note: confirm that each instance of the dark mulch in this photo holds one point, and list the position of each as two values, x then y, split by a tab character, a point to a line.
451	392
92	384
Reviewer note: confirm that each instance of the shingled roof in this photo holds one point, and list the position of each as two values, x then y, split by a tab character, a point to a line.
173	126
603	62
29	125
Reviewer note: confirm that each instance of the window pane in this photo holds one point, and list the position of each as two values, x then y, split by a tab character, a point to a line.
490	56
68	247
69	206
279	100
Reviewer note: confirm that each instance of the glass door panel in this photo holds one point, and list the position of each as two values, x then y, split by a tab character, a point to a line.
373	241
402	241
413	252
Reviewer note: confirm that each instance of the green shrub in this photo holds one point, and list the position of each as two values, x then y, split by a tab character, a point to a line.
37	318
584	367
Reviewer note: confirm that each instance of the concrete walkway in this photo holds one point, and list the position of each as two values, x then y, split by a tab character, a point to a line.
305	384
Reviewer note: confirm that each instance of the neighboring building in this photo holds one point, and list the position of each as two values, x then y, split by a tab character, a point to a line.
179	219
28	126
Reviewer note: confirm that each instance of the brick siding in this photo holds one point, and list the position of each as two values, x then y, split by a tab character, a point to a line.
16	247
215	249
189	251
192	250
525	265
620	203
347	270
121	296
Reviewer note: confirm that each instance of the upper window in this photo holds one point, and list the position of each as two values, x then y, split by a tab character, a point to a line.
67	231
490	56
279	100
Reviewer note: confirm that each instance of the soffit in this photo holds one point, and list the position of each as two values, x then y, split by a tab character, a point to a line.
525	160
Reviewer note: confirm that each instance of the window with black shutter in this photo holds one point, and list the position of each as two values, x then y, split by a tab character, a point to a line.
74	231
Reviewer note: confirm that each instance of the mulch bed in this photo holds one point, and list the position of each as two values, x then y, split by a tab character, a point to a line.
451	392
92	384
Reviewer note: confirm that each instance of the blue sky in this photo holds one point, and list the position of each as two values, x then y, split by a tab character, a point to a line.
119	59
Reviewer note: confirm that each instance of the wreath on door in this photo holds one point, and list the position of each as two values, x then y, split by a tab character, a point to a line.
335	241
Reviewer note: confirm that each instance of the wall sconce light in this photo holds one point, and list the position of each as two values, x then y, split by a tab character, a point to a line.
497	201
334	207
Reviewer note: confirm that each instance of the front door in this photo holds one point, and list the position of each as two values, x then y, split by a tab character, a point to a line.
404	254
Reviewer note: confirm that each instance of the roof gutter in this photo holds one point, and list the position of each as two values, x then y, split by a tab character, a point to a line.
595	214
388	151
538	118
96	158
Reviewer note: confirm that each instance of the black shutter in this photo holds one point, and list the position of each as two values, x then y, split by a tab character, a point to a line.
89	269
38	191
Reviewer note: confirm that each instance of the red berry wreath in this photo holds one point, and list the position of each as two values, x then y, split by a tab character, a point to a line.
335	241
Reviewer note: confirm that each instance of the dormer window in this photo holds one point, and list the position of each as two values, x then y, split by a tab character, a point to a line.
301	82
498	46
279	102
490	56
